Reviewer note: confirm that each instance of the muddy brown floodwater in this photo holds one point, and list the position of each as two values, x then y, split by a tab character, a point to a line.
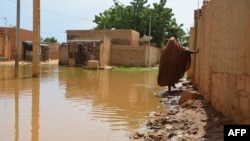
75	104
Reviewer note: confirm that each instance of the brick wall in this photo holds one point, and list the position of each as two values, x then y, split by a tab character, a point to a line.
221	69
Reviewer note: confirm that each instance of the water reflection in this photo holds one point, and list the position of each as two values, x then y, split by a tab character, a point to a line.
74	104
35	109
16	113
120	98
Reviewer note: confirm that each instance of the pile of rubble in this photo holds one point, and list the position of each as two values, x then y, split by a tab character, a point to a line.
187	118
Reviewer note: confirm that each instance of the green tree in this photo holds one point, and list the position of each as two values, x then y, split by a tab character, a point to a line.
50	40
138	15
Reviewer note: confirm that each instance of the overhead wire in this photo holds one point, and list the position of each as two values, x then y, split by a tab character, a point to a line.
55	13
118	1
61	14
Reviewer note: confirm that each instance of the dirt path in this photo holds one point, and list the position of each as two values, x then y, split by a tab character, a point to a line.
187	118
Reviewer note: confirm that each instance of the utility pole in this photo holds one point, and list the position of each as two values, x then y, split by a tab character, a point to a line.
149	29
36	39
6	41
149	35
17	39
104	29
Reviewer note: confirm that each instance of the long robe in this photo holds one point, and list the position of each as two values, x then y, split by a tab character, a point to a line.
174	62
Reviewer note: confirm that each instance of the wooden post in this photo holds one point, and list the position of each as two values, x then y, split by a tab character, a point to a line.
36	39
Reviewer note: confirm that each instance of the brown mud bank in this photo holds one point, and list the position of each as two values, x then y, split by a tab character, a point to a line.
187	118
12	62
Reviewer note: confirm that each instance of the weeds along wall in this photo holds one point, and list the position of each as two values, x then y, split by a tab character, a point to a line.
221	70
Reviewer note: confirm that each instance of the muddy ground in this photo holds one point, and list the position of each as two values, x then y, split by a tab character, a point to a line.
12	62
187	118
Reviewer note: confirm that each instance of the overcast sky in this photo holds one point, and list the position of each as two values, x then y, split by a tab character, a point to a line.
57	16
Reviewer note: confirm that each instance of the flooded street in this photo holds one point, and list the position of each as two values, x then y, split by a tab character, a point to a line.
75	104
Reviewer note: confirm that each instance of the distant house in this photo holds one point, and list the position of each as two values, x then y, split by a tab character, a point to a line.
80	52
107	47
8	45
8	41
28	51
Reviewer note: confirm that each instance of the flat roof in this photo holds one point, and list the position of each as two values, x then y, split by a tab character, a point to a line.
82	41
30	43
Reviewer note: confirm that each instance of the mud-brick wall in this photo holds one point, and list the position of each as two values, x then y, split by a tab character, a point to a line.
127	56
199	40
154	55
2	42
135	56
53	50
25	35
125	34
221	69
64	54
104	52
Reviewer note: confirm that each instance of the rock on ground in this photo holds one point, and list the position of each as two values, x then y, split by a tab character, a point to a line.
187	118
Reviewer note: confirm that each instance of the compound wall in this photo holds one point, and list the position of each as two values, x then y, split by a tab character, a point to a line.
221	70
136	56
